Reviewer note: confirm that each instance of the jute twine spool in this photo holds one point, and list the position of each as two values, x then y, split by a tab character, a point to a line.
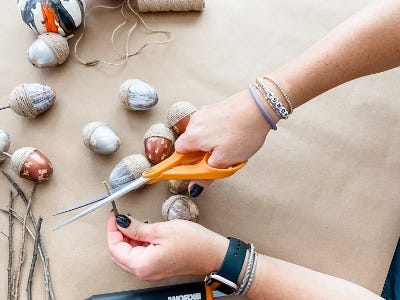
58	44
19	157
169	5
21	103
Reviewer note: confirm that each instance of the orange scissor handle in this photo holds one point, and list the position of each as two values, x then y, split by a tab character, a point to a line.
180	166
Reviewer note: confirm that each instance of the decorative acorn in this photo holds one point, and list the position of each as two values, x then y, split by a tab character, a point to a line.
159	142
178	186
4	144
48	50
180	207
56	16
137	95
178	116
130	168
30	163
31	99
100	138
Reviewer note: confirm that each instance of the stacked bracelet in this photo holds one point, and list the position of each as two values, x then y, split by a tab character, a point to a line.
249	274
272	100
261	107
284	94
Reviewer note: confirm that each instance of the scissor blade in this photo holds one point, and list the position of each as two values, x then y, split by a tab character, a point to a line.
131	186
91	200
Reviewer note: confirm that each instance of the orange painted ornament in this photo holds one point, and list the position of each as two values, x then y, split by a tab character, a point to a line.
159	142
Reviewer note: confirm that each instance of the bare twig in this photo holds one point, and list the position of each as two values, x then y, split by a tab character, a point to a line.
22	248
42	250
34	258
10	246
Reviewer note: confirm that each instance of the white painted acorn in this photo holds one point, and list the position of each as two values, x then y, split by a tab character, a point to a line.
30	163
31	99
180	207
100	138
56	16
159	142
4	144
178	186
178	116
48	50
137	95
130	168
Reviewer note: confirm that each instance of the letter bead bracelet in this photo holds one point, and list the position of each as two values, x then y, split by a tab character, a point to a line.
271	99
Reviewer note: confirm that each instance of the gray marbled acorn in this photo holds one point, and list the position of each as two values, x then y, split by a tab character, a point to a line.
137	95
128	169
100	138
180	207
4	144
48	50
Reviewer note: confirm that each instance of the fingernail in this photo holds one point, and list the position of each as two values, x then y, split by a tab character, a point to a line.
123	221
195	190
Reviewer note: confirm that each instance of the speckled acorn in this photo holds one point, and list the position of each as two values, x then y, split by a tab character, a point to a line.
4	144
137	95
30	163
180	207
159	142
178	116
31	99
178	186
130	168
48	50
100	138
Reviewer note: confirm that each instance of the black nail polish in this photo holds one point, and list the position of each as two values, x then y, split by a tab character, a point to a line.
195	190
123	221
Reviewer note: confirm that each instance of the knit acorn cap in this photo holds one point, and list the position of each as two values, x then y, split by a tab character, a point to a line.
178	111
19	157
161	130
88	130
58	44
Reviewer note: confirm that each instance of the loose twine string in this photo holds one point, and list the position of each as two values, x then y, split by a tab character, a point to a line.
125	55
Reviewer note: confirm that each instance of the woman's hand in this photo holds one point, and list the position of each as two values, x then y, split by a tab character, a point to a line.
161	250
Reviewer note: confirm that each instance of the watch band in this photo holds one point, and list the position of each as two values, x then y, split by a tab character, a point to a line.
225	279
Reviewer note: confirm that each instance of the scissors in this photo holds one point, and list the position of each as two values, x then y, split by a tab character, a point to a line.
177	166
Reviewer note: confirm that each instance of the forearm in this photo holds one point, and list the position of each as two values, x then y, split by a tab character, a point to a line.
366	43
277	279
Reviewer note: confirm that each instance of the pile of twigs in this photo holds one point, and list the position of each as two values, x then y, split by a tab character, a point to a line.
27	221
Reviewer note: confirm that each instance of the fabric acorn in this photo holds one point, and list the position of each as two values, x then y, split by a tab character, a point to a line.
137	95
130	168
48	50
31	99
180	207
30	163
159	142
100	138
56	16
178	116
4	144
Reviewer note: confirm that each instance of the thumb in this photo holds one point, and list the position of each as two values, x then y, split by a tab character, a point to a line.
134	229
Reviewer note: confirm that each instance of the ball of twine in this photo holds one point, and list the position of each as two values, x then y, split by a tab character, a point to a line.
169	5
21	103
178	111
19	157
58	44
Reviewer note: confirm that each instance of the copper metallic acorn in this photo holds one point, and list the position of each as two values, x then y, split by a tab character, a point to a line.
31	99
159	142
180	207
4	144
100	138
31	164
48	50
178	116
178	186
61	17
130	168
137	95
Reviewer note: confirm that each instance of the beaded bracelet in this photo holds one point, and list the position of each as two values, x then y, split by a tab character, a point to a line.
261	107
272	100
284	94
